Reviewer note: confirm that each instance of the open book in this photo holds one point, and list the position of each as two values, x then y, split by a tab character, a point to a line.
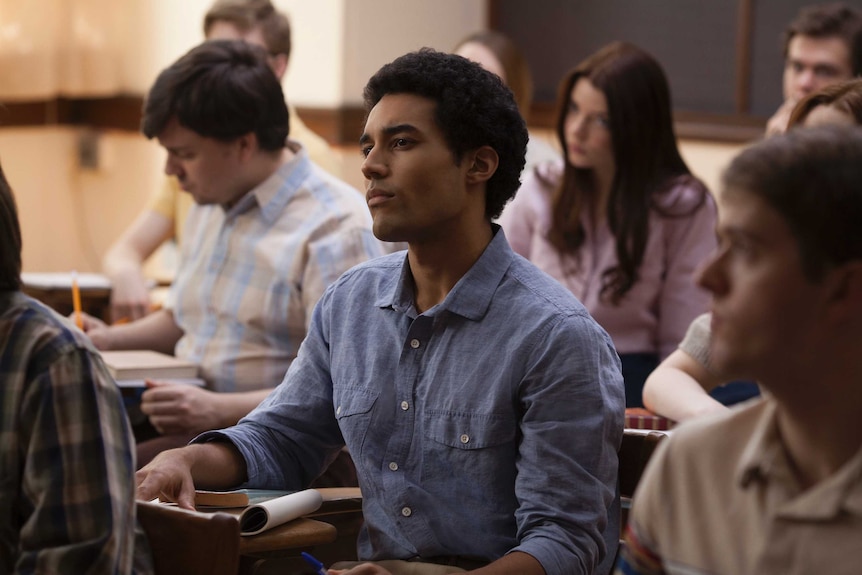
261	509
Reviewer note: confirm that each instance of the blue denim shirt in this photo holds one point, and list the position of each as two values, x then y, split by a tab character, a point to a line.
488	424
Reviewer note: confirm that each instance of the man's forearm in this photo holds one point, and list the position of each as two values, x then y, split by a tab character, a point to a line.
515	563
217	465
157	331
235	406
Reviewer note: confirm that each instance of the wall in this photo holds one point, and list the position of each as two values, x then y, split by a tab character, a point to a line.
70	215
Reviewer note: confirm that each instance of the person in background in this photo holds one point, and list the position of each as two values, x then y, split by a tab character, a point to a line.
680	387
497	53
822	46
775	486
269	232
66	461
619	220
457	373
256	22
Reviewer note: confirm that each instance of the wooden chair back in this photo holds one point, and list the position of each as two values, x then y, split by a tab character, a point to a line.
635	451
189	542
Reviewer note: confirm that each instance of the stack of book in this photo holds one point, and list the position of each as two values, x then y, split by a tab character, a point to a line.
130	369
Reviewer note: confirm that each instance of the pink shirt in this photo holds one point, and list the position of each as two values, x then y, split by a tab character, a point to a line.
654	314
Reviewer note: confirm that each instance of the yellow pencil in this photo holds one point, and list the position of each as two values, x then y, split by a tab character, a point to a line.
76	301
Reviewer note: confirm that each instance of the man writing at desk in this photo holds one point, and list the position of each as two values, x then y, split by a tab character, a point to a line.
269	231
482	404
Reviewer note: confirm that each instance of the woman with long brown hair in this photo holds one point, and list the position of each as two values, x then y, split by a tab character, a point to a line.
620	220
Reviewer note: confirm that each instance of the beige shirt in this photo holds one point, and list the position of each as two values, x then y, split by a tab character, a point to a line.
720	497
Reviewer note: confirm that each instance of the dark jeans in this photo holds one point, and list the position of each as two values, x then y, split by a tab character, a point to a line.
636	368
735	392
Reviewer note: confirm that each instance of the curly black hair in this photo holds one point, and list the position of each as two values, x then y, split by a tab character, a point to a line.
474	109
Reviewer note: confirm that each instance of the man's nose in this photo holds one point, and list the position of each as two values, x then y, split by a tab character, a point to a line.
373	166
806	82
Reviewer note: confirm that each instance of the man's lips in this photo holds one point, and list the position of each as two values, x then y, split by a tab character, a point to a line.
375	197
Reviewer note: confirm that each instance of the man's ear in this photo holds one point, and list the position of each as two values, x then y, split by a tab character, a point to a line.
246	145
483	164
278	64
845	291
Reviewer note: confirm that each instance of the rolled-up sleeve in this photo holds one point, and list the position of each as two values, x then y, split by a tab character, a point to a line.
573	404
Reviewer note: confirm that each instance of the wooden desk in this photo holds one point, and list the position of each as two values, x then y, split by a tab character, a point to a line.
329	533
94	301
287	540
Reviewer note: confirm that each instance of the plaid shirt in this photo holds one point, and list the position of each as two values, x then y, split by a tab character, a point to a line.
66	463
249	277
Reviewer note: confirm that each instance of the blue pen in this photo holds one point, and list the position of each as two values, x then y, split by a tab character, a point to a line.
311	560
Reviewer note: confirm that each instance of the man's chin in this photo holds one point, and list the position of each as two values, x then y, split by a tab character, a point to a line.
727	362
387	233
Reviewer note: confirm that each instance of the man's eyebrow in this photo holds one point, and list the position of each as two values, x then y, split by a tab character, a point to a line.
739	232
390	131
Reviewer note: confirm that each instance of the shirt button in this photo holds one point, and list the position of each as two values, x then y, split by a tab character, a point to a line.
465	438
405	406
393	466
338	410
406	511
414	343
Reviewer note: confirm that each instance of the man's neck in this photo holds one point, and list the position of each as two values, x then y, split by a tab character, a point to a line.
437	266
819	423
260	168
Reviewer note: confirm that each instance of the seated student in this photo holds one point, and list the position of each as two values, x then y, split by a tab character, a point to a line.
457	374
619	220
256	22
679	388
773	487
496	52
66	462
269	232
822	46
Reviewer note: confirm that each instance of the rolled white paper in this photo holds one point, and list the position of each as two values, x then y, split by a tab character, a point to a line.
269	514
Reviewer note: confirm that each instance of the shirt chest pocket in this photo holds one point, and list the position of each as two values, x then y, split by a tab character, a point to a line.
474	450
353	410
469	431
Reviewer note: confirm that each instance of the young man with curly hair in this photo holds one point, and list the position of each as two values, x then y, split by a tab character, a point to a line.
482	404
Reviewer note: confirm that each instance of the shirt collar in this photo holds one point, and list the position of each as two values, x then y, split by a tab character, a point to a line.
765	461
273	194
473	293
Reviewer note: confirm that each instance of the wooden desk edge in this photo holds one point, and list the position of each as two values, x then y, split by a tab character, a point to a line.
299	533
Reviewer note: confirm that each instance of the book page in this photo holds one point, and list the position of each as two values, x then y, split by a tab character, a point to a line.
269	514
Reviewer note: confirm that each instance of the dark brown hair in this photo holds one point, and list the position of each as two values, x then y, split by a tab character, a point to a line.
221	89
827	20
10	239
645	153
249	14
813	178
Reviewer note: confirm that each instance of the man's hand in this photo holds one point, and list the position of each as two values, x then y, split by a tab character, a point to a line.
130	299
96	329
179	408
777	124
168	476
